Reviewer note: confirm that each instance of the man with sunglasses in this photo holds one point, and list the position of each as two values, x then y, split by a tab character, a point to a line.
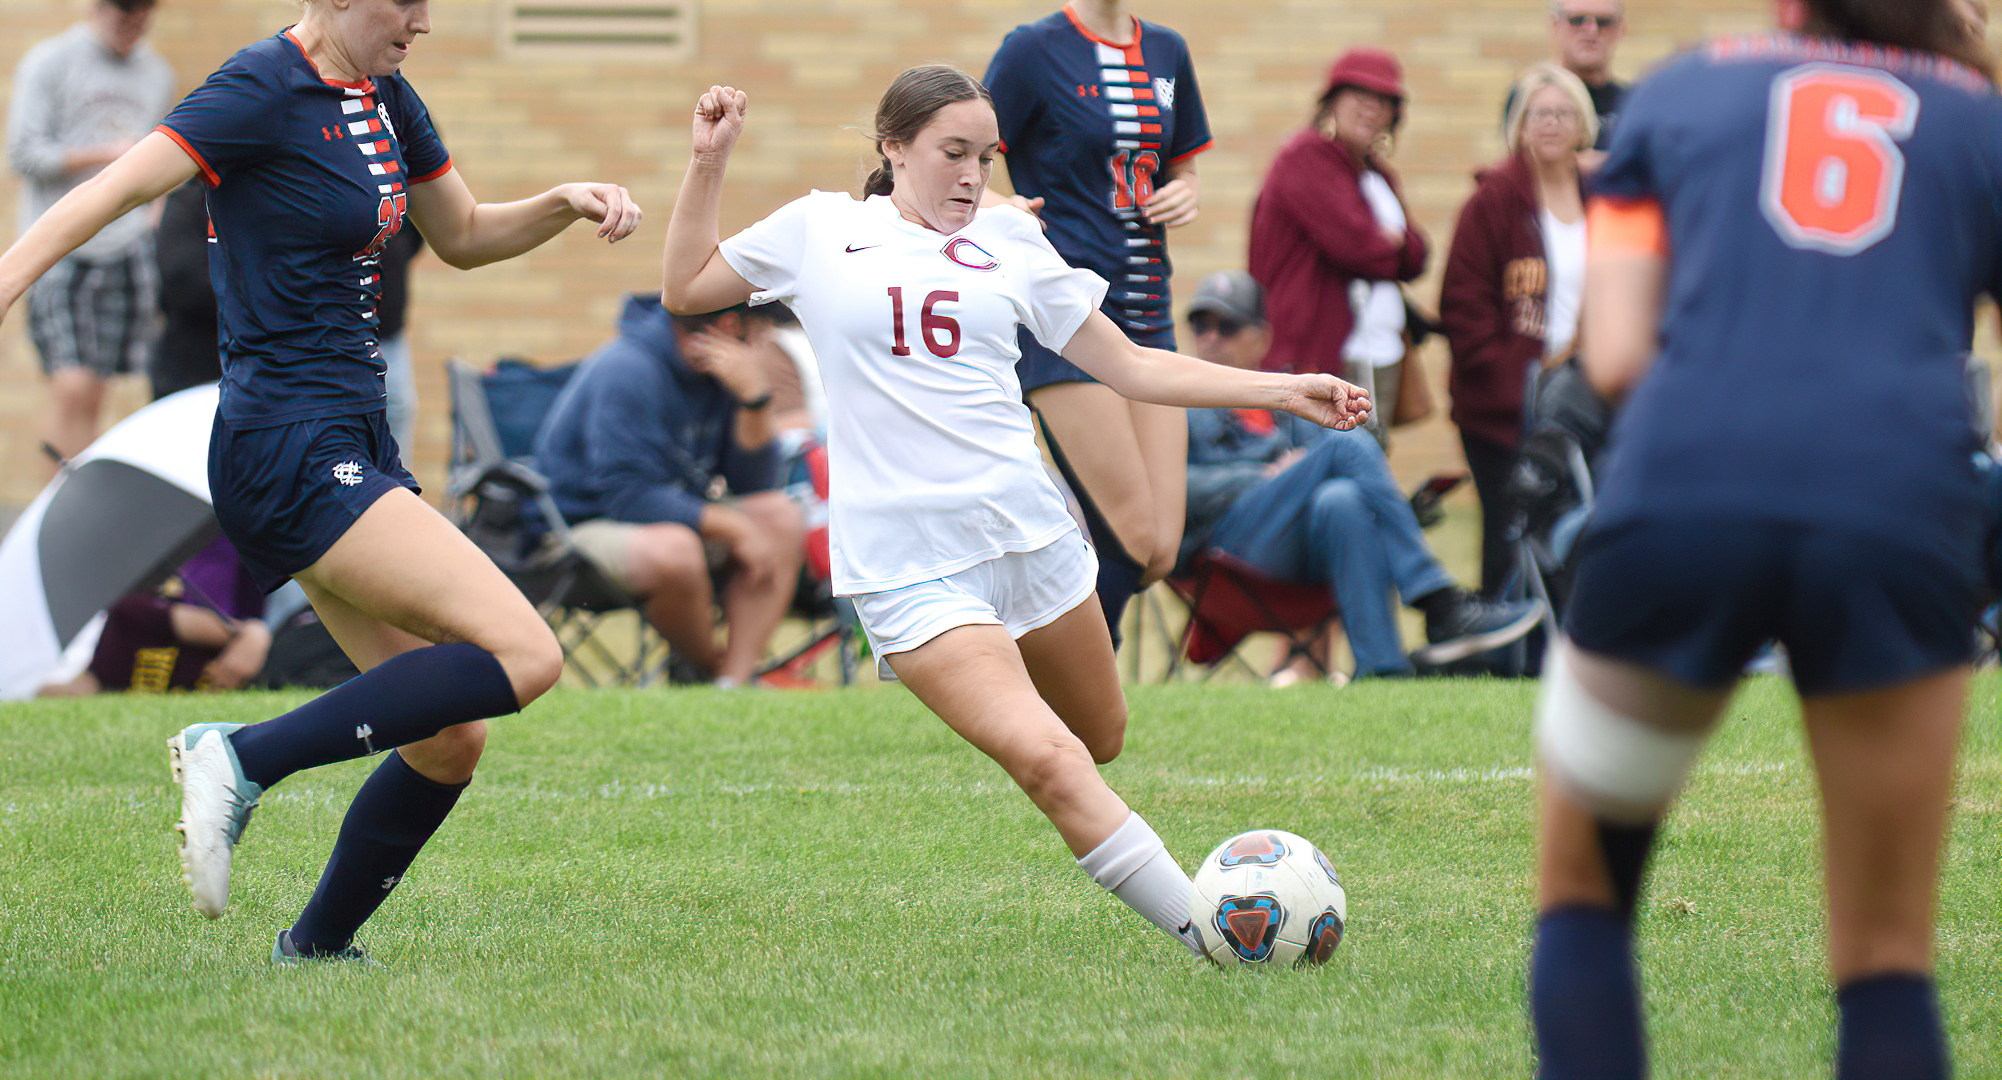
1303	503
1583	36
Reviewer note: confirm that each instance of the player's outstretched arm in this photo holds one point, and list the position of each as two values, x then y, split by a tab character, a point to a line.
1167	378
467	233
152	168
1626	278
694	277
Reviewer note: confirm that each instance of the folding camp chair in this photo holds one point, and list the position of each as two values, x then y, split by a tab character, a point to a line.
1229	600
498	499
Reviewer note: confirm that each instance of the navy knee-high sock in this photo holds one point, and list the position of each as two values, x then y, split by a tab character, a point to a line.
1890	1030
404	700
1584	997
392	816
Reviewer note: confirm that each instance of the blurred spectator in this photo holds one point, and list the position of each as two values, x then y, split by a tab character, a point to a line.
799	402
202	630
81	99
187	354
1583	36
1330	238
660	453
1513	287
1303	503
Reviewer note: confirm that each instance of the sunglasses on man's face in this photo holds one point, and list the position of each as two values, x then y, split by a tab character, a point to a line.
1223	328
1597	22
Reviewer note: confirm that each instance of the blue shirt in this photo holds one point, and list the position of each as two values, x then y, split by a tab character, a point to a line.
307	182
1089	127
638	436
1832	212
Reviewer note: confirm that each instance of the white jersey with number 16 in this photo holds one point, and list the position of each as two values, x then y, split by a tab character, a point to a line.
932	455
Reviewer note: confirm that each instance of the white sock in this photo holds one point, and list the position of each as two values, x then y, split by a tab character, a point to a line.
1133	865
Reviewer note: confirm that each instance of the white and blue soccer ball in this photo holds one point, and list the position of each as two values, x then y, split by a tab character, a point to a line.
1268	898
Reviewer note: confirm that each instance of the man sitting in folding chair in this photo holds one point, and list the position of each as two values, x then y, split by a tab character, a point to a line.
660	454
1306	504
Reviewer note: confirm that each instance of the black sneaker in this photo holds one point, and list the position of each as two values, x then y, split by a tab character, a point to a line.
1467	624
285	954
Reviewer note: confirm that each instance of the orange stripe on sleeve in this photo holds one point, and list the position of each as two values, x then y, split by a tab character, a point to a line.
207	173
1626	227
433	174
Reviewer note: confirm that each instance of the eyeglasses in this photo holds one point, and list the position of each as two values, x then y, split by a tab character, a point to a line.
1204	322
1566	117
1597	22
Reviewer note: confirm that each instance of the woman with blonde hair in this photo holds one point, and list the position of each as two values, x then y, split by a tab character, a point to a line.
1514	279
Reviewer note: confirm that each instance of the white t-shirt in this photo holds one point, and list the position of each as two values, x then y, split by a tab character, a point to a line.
932	456
1564	255
1378	337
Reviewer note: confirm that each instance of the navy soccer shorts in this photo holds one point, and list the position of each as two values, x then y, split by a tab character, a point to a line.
1039	367
285	493
1696	599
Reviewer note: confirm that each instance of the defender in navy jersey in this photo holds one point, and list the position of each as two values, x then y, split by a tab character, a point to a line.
314	150
1788	237
1101	120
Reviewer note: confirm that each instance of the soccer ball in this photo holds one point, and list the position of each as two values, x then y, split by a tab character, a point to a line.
1267	898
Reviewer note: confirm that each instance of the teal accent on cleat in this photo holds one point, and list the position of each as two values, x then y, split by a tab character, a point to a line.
285	954
216	802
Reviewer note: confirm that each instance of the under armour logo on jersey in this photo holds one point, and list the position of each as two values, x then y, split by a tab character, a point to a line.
362	732
348	473
1164	92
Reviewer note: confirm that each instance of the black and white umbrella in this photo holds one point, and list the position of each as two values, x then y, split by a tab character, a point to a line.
119	517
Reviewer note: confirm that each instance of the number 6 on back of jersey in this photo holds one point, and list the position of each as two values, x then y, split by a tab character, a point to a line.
1833	169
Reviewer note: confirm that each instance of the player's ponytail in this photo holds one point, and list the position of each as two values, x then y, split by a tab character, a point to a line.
909	105
1935	26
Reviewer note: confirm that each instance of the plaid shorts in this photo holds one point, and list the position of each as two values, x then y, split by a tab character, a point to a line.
97	315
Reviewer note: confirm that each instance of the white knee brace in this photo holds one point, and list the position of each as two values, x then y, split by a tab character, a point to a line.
1616	763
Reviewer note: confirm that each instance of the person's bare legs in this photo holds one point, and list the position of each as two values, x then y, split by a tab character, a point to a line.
1094	430
974	679
1885	763
669	566
1071	663
1163	435
753	608
76	400
403	577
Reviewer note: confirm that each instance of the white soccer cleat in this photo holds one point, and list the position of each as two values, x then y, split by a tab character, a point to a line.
216	802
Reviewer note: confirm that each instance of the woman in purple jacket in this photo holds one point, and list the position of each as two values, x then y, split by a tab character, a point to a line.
1330	236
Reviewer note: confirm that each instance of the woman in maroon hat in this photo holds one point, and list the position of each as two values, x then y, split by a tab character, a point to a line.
1514	286
1330	237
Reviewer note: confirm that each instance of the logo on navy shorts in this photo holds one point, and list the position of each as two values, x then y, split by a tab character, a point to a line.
348	473
969	254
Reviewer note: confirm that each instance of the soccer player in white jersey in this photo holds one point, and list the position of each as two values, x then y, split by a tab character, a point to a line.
966	571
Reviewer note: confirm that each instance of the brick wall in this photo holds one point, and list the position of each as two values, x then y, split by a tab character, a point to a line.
814	69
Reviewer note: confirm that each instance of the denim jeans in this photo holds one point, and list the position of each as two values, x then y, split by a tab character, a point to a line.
1337	517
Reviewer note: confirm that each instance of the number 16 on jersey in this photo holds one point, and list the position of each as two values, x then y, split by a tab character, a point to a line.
930	323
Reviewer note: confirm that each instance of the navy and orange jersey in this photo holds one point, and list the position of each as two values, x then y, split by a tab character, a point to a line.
1089	126
307	180
1829	213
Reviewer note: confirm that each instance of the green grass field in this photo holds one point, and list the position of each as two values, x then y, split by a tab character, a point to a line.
830	884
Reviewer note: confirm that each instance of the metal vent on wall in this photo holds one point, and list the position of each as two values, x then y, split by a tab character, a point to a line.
599	29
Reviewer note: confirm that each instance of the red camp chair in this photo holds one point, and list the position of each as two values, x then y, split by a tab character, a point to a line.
1228	601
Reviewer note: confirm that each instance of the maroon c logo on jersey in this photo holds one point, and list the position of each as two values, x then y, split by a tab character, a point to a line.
969	254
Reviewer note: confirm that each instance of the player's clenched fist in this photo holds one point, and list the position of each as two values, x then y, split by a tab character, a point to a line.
719	119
